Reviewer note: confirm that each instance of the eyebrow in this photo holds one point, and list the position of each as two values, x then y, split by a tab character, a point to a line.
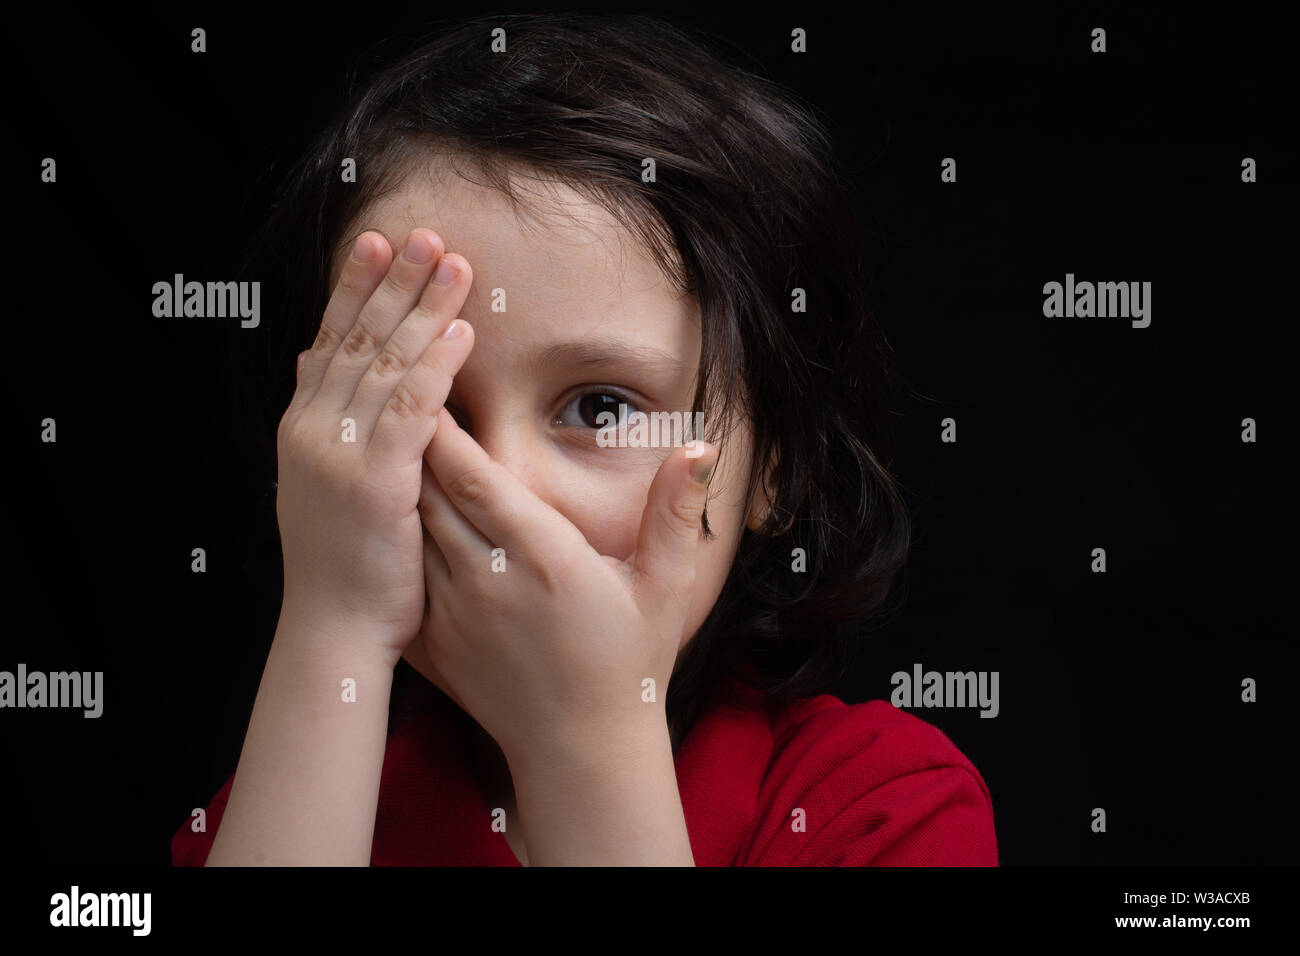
609	352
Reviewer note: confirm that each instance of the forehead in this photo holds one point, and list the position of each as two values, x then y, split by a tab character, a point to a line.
555	258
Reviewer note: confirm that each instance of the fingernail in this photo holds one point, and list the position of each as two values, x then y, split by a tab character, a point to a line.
363	250
701	469
446	272
418	249
453	330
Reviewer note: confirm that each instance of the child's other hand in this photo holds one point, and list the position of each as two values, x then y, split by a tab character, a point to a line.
545	642
351	444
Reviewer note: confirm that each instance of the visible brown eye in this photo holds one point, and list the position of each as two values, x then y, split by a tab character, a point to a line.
593	403
585	410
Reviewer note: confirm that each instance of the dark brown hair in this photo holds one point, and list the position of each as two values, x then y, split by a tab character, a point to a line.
748	205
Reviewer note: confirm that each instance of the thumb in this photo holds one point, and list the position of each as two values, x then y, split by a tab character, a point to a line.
670	524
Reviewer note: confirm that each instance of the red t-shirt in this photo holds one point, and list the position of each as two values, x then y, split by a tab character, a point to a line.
877	786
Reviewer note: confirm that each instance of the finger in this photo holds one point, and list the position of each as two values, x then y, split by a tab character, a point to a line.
463	548
503	509
440	302
406	416
387	306
408	419
361	274
670	525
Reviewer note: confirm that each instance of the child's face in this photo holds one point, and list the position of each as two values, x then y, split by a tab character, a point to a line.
578	304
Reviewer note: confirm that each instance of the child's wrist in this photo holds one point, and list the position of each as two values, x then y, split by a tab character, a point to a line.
337	631
625	742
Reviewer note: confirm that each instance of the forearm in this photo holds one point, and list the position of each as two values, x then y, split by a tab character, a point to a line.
307	784
620	810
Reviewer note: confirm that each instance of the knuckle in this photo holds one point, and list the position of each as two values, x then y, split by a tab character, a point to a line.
390	362
361	340
432	361
285	435
283	438
423	310
308	457
557	572
405	403
685	518
327	340
292	432
472	486
398	282
351	282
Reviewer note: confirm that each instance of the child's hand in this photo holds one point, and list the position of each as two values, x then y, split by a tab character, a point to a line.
350	445
549	654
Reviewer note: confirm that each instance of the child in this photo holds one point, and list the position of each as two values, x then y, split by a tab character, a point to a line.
550	229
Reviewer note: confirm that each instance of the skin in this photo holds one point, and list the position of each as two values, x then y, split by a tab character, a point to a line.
388	540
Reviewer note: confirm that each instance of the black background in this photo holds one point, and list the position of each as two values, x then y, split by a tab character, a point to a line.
1119	691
